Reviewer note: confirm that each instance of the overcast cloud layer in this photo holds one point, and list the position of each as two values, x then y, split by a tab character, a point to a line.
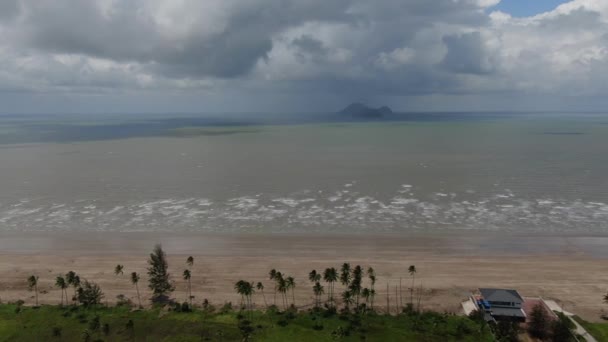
184	55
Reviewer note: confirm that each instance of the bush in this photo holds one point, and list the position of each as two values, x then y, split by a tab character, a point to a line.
89	294
56	332
226	308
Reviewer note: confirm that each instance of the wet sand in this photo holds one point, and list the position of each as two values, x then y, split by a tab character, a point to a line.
571	269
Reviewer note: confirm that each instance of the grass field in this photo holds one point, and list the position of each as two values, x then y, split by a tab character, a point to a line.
597	330
54	323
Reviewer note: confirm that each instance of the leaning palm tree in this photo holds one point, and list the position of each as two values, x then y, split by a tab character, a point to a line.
291	284
260	288
32	284
134	281
118	270
62	285
187	277
412	272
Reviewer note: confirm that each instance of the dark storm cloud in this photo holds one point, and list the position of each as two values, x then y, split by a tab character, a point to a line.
467	54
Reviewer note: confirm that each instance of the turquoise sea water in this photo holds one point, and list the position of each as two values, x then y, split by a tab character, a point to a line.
532	172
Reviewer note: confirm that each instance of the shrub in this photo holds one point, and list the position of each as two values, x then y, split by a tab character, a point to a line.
56	332
226	308
89	294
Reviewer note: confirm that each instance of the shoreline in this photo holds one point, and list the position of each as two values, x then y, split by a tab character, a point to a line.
570	269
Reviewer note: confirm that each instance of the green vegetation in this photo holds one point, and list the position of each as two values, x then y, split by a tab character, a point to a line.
597	330
77	323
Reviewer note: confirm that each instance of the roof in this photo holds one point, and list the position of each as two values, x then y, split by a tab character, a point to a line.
500	295
508	312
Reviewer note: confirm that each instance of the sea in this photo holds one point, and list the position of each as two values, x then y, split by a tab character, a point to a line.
279	173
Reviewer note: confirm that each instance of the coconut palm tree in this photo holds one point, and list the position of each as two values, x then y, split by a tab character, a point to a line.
135	281
291	284
347	298
330	275
318	290
282	288
260	288
239	286
356	283
118	270
32	284
371	274
190	261
313	276
345	274
366	294
412	271
273	276
71	279
187	277
62	285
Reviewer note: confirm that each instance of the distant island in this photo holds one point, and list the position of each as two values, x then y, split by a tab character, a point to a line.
362	111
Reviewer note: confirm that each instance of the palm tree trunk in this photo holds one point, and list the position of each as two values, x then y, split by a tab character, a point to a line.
293	296
190	291
412	290
138	298
388	303
263	296
36	290
400	294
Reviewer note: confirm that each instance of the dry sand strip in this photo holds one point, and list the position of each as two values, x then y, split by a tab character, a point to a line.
572	270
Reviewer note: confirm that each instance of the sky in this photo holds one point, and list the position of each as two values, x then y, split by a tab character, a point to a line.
525	8
142	56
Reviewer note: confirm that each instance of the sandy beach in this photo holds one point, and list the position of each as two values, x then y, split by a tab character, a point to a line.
568	268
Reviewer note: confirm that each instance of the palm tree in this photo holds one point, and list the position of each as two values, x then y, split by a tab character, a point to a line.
134	281
273	276
32	284
71	279
239	286
345	274
291	284
606	298
62	285
412	272
318	290
347	298
366	293
371	274
245	289
282	288
330	276
260	288
356	282
190	261
118	270
187	276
